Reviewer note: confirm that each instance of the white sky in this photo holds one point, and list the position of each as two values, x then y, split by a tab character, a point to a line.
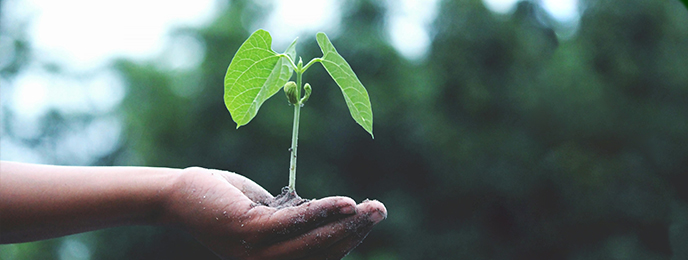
86	33
565	11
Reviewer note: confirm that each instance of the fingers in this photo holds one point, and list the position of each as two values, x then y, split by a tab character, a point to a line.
332	240
342	248
282	224
373	212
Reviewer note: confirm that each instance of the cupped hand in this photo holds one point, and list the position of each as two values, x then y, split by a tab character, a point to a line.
226	212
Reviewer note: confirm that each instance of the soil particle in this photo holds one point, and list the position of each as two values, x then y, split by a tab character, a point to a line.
285	199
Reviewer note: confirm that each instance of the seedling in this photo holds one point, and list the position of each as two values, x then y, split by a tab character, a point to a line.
257	72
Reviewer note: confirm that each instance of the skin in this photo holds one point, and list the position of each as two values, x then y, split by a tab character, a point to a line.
223	210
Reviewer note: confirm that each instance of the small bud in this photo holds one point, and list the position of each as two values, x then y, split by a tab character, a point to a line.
306	95
290	91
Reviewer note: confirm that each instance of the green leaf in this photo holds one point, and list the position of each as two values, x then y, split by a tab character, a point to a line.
255	74
355	94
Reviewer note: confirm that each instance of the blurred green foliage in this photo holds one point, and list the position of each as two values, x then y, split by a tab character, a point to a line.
507	142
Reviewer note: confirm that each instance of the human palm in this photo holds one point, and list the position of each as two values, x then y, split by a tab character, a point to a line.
226	212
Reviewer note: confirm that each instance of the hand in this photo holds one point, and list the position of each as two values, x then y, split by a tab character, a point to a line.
225	211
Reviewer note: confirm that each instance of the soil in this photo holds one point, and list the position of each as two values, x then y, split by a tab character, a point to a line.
285	199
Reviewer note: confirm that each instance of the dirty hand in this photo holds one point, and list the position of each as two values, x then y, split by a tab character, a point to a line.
226	212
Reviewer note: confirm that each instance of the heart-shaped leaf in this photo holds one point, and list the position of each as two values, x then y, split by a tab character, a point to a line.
255	74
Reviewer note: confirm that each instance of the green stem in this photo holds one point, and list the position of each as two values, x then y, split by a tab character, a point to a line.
313	61
295	132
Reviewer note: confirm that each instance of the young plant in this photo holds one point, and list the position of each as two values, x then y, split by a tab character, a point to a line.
257	72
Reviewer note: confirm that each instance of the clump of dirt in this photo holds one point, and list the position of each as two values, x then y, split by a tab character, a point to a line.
286	199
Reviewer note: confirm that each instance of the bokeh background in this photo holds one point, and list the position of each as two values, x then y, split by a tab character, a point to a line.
504	129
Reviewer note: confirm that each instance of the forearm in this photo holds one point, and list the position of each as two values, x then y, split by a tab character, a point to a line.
41	201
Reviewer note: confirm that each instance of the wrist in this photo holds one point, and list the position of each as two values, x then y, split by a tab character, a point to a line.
146	191
177	195
168	190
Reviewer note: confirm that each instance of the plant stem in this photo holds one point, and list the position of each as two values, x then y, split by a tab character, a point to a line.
295	132
313	61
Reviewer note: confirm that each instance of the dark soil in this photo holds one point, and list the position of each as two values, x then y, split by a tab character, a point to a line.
285	199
